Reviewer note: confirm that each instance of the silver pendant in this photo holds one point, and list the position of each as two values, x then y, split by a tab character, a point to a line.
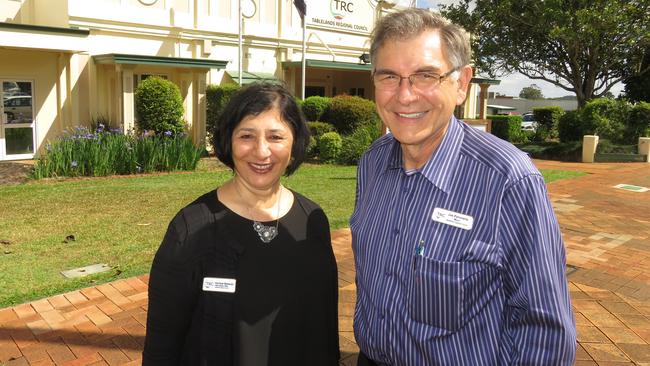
266	233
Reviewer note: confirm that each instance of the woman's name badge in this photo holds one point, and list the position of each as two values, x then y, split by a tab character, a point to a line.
214	284
452	218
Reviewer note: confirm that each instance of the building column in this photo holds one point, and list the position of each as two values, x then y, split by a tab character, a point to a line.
128	100
201	108
483	101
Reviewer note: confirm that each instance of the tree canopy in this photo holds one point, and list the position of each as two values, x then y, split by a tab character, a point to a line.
582	46
531	92
637	86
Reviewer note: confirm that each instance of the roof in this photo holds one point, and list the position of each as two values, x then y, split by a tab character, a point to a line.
504	107
117	58
322	64
251	77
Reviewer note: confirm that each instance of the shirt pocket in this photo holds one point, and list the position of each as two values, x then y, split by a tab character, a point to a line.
447	295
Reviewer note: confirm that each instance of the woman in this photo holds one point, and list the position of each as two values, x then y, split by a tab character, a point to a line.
245	274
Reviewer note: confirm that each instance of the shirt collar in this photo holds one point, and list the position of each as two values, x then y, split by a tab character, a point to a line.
442	164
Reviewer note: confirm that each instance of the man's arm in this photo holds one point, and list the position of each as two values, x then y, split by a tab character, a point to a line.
539	322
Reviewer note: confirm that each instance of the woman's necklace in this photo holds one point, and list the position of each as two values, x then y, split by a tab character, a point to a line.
266	233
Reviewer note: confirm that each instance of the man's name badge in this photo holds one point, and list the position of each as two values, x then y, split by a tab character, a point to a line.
213	284
452	218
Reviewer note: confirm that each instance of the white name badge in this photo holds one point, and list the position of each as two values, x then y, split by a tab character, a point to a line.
452	218
214	284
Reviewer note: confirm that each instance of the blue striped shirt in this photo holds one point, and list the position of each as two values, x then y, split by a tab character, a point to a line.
480	283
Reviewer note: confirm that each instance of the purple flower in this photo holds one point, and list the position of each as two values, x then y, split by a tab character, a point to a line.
73	164
168	133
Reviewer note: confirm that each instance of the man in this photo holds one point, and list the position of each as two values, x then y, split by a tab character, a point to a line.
458	253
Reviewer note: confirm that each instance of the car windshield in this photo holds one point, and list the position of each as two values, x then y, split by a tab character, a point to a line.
529	117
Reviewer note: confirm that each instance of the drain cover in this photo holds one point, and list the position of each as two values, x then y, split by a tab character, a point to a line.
87	270
629	187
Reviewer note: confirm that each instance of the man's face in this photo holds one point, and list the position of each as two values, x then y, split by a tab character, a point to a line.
418	117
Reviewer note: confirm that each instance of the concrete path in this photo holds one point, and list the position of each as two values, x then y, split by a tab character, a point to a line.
607	235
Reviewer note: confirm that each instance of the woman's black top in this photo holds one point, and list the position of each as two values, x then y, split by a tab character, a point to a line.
284	307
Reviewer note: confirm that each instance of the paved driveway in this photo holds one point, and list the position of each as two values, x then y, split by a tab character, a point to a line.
606	232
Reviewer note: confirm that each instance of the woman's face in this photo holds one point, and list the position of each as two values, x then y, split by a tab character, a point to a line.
261	149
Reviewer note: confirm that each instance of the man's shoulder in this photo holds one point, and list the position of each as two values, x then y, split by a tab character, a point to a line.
379	148
382	143
496	154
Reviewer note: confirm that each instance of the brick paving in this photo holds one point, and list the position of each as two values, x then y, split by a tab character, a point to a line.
606	232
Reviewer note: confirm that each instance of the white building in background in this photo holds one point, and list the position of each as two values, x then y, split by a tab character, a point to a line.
65	63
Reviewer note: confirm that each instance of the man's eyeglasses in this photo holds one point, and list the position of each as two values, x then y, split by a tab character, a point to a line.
419	80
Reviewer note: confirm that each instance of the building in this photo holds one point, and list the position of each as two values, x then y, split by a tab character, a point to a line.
65	63
513	105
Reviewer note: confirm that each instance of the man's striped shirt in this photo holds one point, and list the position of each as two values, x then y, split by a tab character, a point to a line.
460	262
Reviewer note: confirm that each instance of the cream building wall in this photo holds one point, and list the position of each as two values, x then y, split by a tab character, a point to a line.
85	57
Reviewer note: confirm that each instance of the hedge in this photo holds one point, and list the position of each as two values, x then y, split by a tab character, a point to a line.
638	122
329	146
507	128
569	127
606	118
547	119
159	106
315	106
217	97
347	113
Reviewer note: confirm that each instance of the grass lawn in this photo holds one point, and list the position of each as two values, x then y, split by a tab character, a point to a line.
121	220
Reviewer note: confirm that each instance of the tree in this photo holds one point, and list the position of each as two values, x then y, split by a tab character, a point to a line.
637	86
582	46
531	92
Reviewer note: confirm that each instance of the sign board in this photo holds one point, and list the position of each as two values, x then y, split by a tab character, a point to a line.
342	15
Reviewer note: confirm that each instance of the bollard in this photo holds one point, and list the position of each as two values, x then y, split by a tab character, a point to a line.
644	148
589	144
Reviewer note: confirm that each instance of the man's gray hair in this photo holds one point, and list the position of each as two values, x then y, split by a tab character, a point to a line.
409	23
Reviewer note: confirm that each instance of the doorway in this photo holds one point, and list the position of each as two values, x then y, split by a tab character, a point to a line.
17	125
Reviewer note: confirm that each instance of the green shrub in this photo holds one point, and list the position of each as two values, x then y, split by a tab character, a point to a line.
507	128
217	96
314	107
159	106
606	118
347	113
638	122
356	144
312	148
547	119
329	145
607	147
317	129
83	152
570	127
551	150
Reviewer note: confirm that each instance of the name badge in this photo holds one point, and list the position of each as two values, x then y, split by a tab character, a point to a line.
213	284
452	218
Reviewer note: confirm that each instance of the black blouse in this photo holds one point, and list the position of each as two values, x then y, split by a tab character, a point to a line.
284	309
282	312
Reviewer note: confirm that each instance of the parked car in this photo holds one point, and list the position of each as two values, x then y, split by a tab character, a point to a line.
18	109
528	123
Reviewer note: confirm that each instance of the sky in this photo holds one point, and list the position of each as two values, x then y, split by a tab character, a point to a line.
512	84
